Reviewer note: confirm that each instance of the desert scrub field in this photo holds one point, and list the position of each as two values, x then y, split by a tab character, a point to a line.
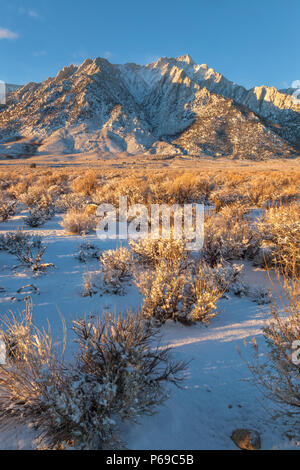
115	298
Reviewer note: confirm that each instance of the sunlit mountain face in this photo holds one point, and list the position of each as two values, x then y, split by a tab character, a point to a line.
170	107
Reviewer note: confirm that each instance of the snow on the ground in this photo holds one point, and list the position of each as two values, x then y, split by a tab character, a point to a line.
218	395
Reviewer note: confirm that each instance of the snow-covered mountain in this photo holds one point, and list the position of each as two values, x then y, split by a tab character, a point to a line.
172	106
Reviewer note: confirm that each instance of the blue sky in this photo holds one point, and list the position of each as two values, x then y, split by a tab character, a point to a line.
251	42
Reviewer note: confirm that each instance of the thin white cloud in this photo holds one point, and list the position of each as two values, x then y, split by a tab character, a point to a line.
33	14
39	53
28	12
7	34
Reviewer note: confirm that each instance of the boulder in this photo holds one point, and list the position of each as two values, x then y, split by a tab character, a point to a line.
246	439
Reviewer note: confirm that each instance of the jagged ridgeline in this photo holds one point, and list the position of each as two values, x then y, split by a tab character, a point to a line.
170	107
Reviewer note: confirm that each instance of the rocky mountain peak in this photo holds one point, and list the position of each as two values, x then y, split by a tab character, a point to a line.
172	106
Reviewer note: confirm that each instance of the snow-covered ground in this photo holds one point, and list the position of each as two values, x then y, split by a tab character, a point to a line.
218	395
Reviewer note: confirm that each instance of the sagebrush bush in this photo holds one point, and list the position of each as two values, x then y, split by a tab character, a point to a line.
36	196
119	374
38	216
174	287
69	201
203	294
7	207
162	273
12	242
116	267
28	249
135	189
224	274
278	375
151	252
279	228
163	288
85	184
228	235
86	251
77	221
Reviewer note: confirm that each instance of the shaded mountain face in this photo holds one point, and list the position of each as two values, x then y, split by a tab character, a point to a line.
170	107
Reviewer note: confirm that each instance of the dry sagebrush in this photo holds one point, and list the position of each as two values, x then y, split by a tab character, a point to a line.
228	235
77	221
119	374
220	187
279	229
116	268
115	271
28	249
174	286
278	376
7	207
152	251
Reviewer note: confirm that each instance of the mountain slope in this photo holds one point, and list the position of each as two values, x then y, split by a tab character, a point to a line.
172	106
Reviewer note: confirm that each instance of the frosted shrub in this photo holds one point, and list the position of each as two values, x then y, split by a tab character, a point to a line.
12	242
30	353
118	262
118	375
279	228
228	236
55	192
38	216
224	274
36	196
71	201
208	287
85	184
151	252
29	250
7	208
163	288
18	330
120	356
116	269
87	251
260	295
92	283
162	278
78	221
178	289
240	289
278	375
31	255
203	296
